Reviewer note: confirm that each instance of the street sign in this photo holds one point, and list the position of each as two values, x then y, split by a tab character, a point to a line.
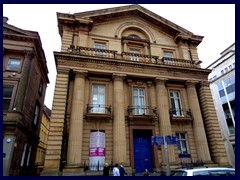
171	140
157	140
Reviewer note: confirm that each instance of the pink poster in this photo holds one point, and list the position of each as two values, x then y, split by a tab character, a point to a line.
97	150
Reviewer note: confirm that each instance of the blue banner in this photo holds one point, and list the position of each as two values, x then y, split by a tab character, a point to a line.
171	140
157	140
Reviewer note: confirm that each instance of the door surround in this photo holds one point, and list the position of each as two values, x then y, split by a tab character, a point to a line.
131	145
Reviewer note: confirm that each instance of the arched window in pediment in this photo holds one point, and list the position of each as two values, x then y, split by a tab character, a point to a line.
133	36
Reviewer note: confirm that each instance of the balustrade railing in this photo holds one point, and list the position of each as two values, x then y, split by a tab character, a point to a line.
178	62
139	57
180	112
99	109
141	111
127	56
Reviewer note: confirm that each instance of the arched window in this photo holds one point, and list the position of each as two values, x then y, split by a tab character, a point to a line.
133	36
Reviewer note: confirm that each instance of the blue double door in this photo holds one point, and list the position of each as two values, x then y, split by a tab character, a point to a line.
142	150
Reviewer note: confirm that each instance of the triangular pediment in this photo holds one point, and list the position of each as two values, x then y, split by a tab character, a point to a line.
12	30
136	10
89	18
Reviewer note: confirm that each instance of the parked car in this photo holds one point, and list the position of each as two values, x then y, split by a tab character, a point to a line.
204	171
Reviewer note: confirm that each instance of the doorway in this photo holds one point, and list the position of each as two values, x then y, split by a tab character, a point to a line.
142	150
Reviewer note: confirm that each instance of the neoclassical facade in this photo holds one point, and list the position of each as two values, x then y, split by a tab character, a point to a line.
130	74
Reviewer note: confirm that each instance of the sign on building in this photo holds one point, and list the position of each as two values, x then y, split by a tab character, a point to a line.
97	151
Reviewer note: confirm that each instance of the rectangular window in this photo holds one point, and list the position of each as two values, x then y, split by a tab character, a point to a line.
168	58
29	154
36	114
222	72
23	154
98	98
7	96
13	64
139	101
40	87
229	119
176	106
100	47
134	54
226	70
168	55
183	143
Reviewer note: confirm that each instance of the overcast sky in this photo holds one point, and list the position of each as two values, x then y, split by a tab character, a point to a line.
216	22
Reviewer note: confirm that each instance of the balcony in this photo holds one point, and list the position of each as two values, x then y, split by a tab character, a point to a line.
180	115
142	113
132	57
179	62
99	112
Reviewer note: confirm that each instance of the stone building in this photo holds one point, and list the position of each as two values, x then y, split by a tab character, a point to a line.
43	135
222	85
130	74
24	84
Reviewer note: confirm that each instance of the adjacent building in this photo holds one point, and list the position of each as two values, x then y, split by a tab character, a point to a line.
43	135
24	85
126	74
222	84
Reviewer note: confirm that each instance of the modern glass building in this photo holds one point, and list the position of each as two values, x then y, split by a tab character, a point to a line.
222	84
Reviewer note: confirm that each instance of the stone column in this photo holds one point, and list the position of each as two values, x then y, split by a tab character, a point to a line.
74	153
119	134
163	115
213	131
54	144
198	126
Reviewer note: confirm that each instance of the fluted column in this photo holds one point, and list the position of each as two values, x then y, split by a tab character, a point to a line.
119	134
198	126
163	115
74	154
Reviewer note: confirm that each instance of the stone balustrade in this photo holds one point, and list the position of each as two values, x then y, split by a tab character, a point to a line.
127	56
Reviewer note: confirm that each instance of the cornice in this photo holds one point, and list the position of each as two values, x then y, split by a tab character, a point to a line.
160	68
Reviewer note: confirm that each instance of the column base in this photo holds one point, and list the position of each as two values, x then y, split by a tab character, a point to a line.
73	171
50	172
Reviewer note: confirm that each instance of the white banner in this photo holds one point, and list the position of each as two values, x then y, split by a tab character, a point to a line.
97	151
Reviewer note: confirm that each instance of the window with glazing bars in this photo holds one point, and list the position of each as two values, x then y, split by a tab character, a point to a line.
176	106
139	101
98	98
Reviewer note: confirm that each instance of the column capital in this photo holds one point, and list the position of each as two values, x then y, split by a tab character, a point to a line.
80	73
191	83
149	83
204	83
129	82
161	80
118	77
